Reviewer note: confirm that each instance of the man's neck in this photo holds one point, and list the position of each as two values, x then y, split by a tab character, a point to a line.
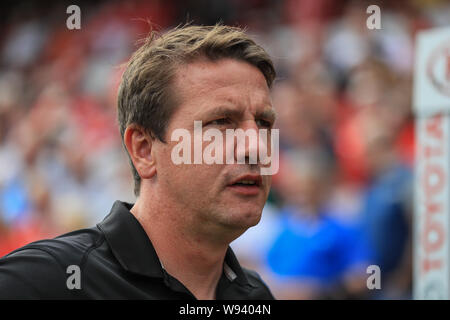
190	257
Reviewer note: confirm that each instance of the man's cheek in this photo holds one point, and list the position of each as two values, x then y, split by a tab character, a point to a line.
268	182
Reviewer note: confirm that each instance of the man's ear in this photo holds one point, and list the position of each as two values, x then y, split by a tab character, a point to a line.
139	146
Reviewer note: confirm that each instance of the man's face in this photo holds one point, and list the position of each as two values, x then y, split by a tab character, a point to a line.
225	94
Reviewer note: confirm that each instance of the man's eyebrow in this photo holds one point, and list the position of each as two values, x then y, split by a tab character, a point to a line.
267	113
224	111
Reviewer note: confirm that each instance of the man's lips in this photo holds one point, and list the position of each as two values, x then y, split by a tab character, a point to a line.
247	184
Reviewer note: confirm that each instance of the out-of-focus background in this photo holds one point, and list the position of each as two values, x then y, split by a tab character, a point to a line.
342	199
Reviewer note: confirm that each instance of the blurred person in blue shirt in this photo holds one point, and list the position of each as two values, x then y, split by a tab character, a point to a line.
386	215
316	255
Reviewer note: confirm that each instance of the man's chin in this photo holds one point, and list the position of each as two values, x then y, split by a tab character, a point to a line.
245	218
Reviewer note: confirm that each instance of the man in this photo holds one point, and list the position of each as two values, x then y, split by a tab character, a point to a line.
173	243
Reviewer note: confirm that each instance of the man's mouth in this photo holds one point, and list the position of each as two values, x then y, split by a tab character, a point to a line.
247	185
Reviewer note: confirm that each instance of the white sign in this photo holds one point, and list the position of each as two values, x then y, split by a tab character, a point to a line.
432	72
431	223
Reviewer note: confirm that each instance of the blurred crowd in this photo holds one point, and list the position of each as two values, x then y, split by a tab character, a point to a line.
342	199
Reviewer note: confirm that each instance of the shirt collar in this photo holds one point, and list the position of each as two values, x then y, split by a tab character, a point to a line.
129	242
134	251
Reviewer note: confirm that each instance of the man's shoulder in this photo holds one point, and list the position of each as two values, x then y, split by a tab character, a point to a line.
69	247
39	269
260	289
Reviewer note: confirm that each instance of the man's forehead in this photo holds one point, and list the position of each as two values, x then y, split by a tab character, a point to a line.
239	98
227	82
206	76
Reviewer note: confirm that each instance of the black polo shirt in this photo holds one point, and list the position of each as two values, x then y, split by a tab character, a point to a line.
114	260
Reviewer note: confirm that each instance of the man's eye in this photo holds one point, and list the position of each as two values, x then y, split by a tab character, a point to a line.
264	123
220	122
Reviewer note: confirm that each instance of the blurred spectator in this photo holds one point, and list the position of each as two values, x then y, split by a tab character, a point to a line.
253	245
387	214
315	256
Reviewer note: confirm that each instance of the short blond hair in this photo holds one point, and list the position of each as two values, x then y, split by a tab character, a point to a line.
144	96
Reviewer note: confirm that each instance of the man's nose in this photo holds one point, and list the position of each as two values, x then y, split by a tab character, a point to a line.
247	145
